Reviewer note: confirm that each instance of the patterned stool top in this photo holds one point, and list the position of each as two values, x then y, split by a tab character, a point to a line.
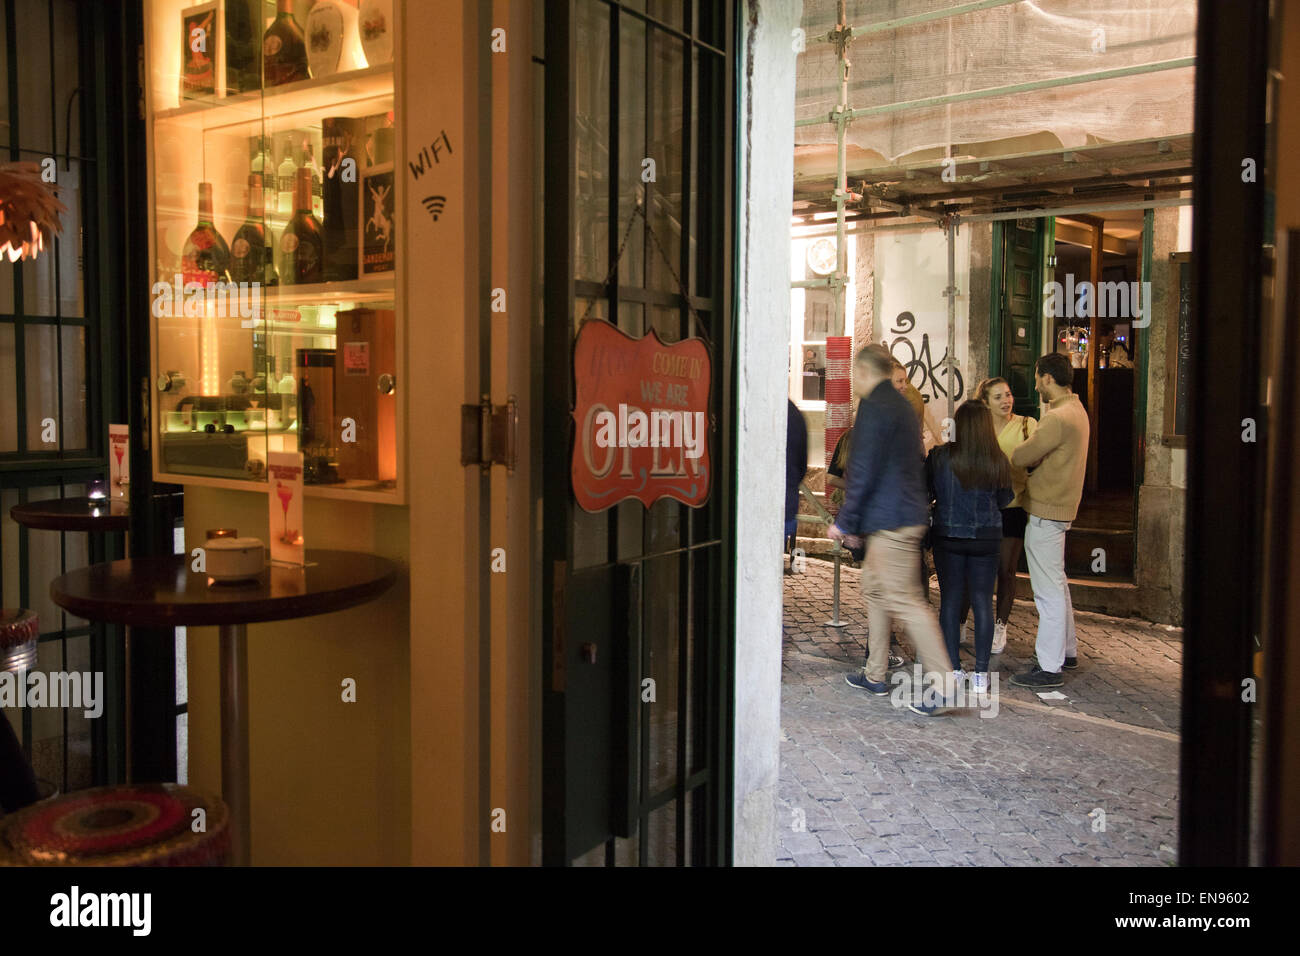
17	627
133	825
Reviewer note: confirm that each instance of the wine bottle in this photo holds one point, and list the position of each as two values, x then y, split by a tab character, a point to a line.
284	180
248	250
309	163
284	51
205	257
301	249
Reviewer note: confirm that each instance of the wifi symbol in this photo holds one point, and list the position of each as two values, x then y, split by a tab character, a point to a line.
435	205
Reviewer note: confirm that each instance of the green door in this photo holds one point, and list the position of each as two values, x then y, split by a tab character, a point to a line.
1016	341
636	625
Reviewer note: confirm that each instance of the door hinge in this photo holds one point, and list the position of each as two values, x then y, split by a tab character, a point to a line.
487	433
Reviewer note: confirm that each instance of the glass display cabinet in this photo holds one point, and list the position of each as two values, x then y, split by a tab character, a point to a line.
274	242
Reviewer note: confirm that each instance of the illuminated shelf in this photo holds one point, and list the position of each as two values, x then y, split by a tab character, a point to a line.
381	289
319	94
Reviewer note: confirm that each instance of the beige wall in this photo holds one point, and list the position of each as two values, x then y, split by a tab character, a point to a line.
330	780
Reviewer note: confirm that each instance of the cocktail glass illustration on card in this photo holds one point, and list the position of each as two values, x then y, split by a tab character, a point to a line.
284	475
119	463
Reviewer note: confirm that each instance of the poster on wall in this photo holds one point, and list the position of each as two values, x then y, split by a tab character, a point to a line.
642	418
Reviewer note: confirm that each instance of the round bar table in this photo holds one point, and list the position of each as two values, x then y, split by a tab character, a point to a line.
74	514
163	592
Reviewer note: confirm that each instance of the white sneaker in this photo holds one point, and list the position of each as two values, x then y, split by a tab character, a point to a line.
958	680
980	683
999	636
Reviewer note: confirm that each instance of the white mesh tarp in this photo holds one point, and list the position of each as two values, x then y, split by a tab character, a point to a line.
1010	44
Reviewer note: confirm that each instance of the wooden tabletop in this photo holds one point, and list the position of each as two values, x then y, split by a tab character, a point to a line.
74	514
164	592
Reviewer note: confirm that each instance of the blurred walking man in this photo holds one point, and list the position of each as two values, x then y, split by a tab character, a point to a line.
886	504
1057	456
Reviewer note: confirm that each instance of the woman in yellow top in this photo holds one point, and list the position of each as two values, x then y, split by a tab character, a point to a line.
1012	430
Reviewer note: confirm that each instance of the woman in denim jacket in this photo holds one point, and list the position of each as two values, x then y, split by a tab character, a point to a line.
970	484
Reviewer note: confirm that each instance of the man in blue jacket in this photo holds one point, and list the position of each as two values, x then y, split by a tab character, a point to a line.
796	466
886	504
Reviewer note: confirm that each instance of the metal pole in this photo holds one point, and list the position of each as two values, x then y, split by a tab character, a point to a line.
844	34
234	738
835	591
1014	89
951	293
1018	214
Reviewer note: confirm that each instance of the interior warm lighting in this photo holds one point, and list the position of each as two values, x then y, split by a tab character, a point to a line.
209	379
28	211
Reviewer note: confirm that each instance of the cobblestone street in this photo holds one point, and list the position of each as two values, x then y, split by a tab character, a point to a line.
865	783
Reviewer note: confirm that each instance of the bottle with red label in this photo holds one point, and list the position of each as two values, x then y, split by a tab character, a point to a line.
205	257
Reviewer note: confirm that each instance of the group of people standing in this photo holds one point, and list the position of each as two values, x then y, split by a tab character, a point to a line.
977	492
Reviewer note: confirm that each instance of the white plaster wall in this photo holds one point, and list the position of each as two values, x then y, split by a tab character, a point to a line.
911	274
765	187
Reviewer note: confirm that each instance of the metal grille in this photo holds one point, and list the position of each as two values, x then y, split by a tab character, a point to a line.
54	369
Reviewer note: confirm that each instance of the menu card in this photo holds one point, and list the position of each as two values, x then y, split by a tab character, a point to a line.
119	461
284	477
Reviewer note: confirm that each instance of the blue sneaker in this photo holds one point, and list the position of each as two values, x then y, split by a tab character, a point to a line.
929	710
859	680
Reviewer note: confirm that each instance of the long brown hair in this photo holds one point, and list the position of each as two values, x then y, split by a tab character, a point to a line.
976	458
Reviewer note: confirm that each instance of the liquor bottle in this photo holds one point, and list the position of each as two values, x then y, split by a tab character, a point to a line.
301	248
263	166
309	163
284	51
205	257
248	250
284	180
243	34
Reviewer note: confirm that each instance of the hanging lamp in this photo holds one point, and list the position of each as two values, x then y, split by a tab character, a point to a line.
29	211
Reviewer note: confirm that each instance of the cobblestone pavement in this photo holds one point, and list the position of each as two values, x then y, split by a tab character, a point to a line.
865	783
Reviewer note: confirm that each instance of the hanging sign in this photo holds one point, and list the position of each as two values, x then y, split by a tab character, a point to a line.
642	418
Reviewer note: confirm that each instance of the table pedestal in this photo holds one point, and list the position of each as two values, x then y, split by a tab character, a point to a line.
234	738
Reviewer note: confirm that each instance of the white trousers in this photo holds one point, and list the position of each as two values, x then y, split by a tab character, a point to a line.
1045	553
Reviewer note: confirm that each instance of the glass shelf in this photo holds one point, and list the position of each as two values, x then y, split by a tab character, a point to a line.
310	367
316	95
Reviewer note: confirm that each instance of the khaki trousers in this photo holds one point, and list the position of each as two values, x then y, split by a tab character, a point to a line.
891	587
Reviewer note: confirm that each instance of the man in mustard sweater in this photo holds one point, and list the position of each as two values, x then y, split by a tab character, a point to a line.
1057	456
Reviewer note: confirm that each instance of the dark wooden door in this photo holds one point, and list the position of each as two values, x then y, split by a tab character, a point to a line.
1019	297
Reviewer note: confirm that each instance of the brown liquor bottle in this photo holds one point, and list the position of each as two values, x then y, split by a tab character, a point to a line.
284	51
302	258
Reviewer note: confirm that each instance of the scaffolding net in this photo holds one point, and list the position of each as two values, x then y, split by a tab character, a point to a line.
899	57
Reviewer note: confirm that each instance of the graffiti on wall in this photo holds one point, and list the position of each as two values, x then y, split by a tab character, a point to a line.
927	374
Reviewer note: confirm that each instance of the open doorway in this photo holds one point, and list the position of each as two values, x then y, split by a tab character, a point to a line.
1098	264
